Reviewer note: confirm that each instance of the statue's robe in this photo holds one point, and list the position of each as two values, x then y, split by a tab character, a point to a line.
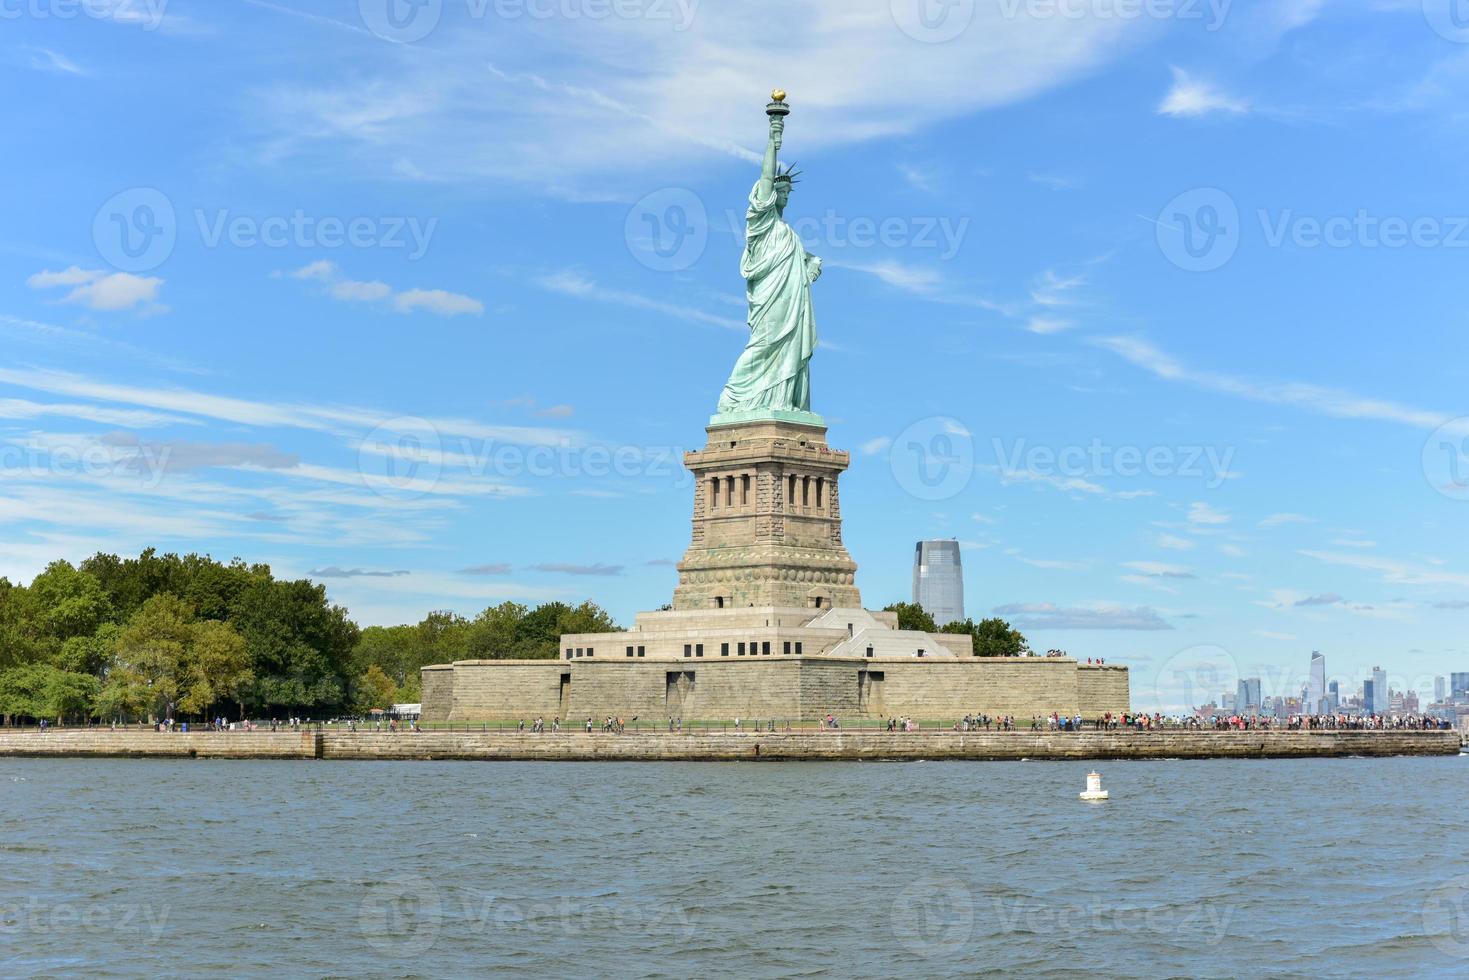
775	369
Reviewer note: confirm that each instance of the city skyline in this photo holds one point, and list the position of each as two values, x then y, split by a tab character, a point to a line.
1153	442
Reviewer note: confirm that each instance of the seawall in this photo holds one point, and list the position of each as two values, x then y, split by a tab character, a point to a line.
717	747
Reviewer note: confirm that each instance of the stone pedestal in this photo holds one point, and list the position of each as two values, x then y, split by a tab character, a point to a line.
767	520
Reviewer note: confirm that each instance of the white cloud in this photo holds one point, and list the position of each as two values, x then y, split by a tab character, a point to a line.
1193	97
1271	635
1276	520
572	284
1158	569
99	290
1048	325
1394	571
1200	513
1174	543
44	59
874	446
634	89
356	291
908	278
1323	401
1092	616
436	301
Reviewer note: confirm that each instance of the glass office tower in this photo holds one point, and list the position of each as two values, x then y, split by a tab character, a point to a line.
938	581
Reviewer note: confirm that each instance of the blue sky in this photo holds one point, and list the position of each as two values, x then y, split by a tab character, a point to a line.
1158	307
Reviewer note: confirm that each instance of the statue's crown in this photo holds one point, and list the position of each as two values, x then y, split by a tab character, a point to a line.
789	175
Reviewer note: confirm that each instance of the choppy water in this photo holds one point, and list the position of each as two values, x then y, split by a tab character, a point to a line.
284	869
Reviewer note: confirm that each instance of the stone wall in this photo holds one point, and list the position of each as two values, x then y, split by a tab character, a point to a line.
834	746
503	689
837	746
1102	689
438	692
103	742
776	687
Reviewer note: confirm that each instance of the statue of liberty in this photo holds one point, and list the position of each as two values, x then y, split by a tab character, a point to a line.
773	376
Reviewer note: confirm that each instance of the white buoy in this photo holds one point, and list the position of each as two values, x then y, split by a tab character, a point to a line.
1094	791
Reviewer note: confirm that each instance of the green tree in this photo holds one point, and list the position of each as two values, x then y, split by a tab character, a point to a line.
147	675
71	602
992	637
216	669
912	616
39	691
374	689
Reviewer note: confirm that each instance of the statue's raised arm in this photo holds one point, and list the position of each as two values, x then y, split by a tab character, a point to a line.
773	377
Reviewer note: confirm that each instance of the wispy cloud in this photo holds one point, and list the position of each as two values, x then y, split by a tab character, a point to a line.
102	291
573	284
562	568
1191	96
1277	520
332	571
1315	398
1098	616
497	568
437	301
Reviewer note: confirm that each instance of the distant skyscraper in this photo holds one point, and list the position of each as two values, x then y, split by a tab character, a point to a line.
1248	696
938	581
1333	697
1316	685
1440	690
1379	691
1368	707
1459	686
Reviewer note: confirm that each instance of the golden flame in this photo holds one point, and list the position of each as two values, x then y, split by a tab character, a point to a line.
778	95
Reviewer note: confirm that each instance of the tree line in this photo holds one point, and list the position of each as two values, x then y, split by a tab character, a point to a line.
992	637
189	637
